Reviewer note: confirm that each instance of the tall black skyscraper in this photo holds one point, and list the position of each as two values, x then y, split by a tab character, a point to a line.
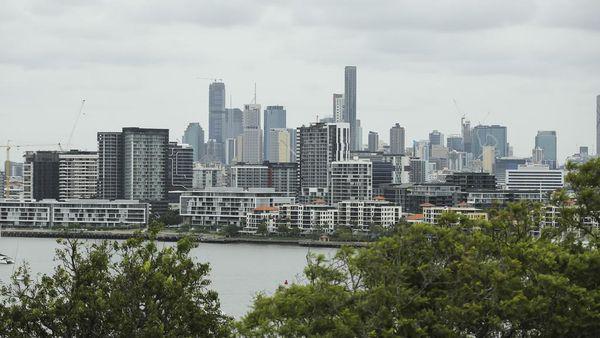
350	104
216	111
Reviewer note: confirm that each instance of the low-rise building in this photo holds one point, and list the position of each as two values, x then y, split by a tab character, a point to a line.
261	215
489	198
48	213
535	177
220	206
432	214
206	176
308	218
362	215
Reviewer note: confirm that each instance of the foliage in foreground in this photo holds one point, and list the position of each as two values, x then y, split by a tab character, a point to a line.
110	289
461	278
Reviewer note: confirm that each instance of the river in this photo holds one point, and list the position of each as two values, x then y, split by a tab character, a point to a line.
238	271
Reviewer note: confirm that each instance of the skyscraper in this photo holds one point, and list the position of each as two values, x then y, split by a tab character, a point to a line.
78	174
373	141
145	163
279	147
110	165
40	175
274	118
546	140
397	140
598	125
194	136
455	142
318	145
216	111
338	108
493	135
252	148
350	104
466	133
180	167
233	123
436	138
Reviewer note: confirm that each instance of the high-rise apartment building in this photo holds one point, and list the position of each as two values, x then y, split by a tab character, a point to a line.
40	175
78	174
145	164
110	165
493	135
488	159
537	155
397	140
180	167
251	144
274	118
250	176
373	141
283	177
546	140
350	105
338	108
350	180
194	136
317	146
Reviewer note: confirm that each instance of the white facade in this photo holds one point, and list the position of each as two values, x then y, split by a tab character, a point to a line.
351	180
45	213
309	217
252	136
338	107
77	175
362	215
261	215
226	205
535	177
432	214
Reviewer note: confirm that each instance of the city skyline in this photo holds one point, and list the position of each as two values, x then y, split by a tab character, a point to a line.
491	67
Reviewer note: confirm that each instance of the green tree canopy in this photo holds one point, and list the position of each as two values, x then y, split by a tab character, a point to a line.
115	289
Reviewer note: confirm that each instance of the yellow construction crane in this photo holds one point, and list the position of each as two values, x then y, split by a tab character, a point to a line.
8	147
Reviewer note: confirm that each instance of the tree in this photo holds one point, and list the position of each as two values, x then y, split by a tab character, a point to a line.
114	289
170	217
231	230
439	281
262	228
283	229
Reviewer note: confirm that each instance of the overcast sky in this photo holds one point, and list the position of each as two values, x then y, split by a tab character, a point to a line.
529	65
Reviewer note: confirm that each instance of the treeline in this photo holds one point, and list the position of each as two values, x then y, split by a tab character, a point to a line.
459	278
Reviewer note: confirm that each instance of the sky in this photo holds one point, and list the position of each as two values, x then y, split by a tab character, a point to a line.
527	64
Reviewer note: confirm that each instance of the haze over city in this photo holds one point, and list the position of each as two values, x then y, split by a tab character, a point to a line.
529	65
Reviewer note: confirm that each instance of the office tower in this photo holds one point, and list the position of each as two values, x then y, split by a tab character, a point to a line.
493	135
279	148
233	123
329	119
373	141
252	148
359	136
351	180
110	165
421	149
537	155
145	164
488	159
216	111
469	181
466	133
455	142
274	117
584	151
535	177
78	174
180	167
230	150
338	108
40	175
546	140
350	105
502	164
214	152
397	140
598	125
317	146
436	138
194	136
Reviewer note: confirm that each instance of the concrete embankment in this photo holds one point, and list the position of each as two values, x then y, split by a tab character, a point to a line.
171	237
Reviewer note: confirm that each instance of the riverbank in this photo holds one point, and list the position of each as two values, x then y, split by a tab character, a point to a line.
166	236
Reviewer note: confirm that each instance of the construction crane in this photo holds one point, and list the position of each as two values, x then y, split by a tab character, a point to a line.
8	147
209	78
75	124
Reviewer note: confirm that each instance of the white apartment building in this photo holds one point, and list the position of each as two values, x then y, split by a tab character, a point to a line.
78	174
261	215
220	206
431	214
47	213
362	215
535	177
309	217
350	180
